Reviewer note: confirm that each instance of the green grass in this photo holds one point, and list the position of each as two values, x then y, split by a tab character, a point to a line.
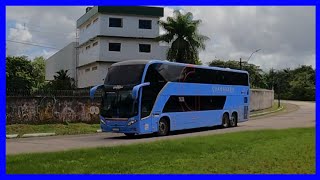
264	151
273	108
59	129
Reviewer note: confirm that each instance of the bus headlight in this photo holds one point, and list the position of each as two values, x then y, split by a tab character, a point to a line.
131	122
102	121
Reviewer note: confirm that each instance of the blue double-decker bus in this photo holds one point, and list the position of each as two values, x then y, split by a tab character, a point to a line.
141	97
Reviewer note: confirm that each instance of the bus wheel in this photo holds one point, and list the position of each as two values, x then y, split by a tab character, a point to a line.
225	120
234	120
129	134
163	128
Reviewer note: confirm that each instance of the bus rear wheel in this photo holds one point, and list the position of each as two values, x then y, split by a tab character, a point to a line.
234	120
163	128
225	120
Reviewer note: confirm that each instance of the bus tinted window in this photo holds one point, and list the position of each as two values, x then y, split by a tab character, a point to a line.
124	75
150	93
194	103
176	73
169	72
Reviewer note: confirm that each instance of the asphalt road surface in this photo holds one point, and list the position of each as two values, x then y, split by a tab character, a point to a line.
297	114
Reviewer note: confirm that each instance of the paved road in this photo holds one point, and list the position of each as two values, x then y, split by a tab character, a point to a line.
297	114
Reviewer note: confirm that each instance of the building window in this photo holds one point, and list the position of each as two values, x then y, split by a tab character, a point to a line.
146	48
115	47
87	70
95	20
94	68
144	24
88	47
95	43
88	25
115	22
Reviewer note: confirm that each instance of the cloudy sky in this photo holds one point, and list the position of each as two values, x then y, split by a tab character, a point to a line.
285	35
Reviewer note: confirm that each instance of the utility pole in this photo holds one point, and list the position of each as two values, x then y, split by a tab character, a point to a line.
240	64
279	89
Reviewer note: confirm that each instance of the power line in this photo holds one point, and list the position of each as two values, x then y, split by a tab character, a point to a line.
27	25
34	30
31	44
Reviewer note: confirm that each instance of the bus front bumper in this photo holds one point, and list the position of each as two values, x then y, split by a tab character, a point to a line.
116	126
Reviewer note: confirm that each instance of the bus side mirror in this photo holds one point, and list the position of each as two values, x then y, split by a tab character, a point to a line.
136	89
94	89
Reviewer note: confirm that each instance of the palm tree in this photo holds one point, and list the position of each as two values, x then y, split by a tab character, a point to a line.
182	33
62	81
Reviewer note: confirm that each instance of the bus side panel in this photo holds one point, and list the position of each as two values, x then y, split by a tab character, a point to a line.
235	104
146	126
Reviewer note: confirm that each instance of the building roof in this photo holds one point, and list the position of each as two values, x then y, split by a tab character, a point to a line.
121	10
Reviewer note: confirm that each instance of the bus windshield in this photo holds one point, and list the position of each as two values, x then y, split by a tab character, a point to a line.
125	75
119	104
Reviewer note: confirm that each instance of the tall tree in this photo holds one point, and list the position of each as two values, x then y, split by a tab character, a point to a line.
38	73
19	73
181	31
255	72
62	81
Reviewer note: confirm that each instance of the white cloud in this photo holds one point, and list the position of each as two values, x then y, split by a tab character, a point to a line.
286	35
19	33
52	26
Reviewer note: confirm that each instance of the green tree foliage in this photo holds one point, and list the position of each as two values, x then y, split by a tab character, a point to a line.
182	32
19	73
61	81
296	84
256	73
39	66
23	74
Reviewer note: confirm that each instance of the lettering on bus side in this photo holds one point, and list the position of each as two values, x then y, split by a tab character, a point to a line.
222	89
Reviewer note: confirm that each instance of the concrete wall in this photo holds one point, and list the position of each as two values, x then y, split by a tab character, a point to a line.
63	59
261	99
39	110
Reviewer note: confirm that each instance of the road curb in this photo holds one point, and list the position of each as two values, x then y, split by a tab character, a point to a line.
269	112
38	135
99	131
11	136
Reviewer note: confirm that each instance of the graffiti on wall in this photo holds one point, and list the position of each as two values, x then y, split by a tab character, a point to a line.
37	110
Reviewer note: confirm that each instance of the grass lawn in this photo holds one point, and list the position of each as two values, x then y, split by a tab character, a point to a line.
263	151
273	108
59	129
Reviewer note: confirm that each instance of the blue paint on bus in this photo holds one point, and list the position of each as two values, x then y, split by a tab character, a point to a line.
138	94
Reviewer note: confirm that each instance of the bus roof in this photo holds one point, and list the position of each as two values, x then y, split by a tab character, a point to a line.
144	62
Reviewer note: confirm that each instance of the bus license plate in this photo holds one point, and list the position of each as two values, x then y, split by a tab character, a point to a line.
115	129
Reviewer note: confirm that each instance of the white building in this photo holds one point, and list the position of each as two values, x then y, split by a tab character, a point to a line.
64	59
109	34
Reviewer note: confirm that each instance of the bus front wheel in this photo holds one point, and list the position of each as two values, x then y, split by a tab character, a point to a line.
163	128
225	120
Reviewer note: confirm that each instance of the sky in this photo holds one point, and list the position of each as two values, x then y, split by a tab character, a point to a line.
285	35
